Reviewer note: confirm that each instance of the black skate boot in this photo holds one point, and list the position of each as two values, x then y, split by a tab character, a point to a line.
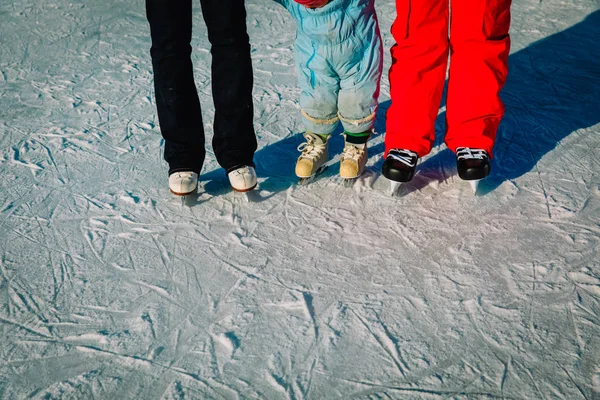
473	165
399	167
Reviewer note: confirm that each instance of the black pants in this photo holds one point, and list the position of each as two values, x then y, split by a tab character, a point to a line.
179	113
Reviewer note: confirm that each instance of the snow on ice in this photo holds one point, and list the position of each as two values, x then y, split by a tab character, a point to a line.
112	288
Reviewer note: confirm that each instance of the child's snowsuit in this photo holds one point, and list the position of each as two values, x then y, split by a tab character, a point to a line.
339	63
478	45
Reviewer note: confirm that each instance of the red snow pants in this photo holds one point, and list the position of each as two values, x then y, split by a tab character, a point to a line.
477	44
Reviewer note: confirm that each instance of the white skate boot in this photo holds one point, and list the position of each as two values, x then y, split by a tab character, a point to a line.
243	179
183	183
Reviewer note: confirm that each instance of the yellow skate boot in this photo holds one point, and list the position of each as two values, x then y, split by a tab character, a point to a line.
355	155
315	153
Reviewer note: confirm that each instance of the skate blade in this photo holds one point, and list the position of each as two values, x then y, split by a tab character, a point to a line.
474	185
349	182
303	180
180	194
394	186
244	190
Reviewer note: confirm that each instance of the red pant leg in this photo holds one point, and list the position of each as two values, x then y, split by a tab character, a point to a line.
419	60
479	47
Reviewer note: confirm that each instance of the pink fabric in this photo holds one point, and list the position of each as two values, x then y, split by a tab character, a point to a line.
312	3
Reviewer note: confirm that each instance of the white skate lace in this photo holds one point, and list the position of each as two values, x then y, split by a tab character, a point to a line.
241	172
310	149
406	157
352	152
466	153
184	176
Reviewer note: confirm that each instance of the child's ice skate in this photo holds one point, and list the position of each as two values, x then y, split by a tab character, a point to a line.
183	183
473	165
353	159
314	155
399	167
242	179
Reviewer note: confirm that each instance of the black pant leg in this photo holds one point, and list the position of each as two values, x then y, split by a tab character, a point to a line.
234	141
179	113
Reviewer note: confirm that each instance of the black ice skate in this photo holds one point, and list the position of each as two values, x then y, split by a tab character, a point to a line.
399	167
473	165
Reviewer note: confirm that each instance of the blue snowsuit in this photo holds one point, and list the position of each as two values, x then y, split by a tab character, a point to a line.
339	59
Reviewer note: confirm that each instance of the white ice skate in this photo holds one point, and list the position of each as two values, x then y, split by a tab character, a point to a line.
243	179
183	183
315	153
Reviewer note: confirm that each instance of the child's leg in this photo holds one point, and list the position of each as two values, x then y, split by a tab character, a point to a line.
318	101
358	98
359	87
478	68
419	60
319	85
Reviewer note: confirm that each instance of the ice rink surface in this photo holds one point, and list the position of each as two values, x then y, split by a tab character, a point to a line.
111	288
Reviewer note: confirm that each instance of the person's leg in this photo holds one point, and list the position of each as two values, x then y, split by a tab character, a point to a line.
419	60
177	101
319	86
359	94
479	45
234	140
360	69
